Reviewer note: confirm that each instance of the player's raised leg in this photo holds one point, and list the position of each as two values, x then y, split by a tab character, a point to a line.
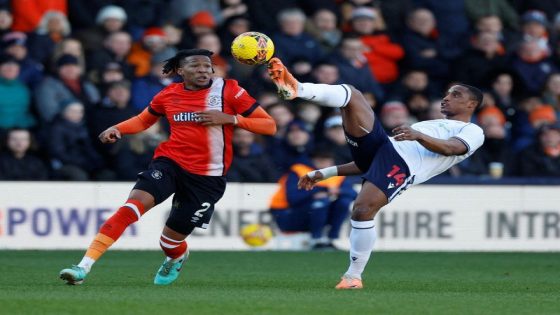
362	236
357	115
137	204
176	251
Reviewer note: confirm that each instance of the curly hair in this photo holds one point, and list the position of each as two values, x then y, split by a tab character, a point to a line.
172	64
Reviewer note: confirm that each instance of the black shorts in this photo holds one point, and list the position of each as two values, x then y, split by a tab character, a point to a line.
381	164
195	195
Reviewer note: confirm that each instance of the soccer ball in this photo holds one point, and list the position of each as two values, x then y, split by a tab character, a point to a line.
255	234
252	48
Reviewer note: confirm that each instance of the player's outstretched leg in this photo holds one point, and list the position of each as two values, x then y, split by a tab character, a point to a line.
138	203
362	236
176	249
357	115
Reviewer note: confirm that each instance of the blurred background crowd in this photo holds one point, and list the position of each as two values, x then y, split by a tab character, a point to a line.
70	69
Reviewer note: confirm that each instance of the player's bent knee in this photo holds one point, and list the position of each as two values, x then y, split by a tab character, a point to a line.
362	212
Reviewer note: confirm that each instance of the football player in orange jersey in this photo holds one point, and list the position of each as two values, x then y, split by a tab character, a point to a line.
202	111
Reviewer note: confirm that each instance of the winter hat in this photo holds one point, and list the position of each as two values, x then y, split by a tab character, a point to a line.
535	16
202	18
363	12
110	12
67	59
545	112
14	38
492	111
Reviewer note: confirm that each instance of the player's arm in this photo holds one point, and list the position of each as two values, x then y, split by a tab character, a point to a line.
451	146
136	124
309	180
258	121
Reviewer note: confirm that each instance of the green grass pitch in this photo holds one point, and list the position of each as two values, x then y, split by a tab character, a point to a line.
284	283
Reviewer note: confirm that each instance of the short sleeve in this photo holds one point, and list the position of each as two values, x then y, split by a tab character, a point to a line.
472	136
156	106
238	98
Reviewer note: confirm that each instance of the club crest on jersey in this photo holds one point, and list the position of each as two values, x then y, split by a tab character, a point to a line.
214	101
183	117
157	174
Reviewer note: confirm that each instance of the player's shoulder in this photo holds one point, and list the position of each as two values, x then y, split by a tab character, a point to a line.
168	89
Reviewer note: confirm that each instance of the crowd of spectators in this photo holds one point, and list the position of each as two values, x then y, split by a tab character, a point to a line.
70	69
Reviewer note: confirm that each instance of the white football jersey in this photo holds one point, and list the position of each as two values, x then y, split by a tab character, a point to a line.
425	164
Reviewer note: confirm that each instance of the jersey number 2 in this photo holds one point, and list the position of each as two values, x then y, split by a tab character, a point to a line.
205	207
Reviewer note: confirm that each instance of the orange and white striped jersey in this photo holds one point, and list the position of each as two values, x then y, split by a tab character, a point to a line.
202	150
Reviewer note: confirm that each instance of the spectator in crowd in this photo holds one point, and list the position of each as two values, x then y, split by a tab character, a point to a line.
309	113
181	10
534	28
452	26
6	20
233	27
68	46
353	67
250	163
113	108
543	158
500	8
532	66
68	84
551	93
422	45
282	116
82	14
109	19
72	154
53	28
501	90
132	154
413	82
495	149
335	140
382	53
199	24
145	88
493	24
116	48
16	163
531	116
31	71
294	148
112	72
323	28
211	41
326	73
153	42
550	8
326	205
393	114
292	34
485	57
260	12
16	100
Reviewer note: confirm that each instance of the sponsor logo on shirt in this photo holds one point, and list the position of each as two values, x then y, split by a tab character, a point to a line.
352	142
185	117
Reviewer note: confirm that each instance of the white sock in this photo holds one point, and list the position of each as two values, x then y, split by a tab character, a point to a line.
86	263
362	239
176	259
325	94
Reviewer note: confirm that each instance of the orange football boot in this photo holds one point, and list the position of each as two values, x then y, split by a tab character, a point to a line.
347	283
285	82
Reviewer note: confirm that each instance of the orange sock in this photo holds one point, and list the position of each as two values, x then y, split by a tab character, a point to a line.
114	227
98	246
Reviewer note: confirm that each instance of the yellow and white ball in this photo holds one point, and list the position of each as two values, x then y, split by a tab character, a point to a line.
252	48
256	235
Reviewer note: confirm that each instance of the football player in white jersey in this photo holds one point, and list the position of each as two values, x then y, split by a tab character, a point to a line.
388	165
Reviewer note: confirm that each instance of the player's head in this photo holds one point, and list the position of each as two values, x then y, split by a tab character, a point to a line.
193	65
461	99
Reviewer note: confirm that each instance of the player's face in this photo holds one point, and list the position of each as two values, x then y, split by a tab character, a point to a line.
196	72
457	100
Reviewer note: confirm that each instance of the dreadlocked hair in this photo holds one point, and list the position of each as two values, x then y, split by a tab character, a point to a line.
172	64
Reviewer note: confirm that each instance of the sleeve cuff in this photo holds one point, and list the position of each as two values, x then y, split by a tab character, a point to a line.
250	110
153	112
465	143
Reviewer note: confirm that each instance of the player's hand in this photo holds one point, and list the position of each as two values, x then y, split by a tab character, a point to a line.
307	183
214	118
406	133
111	135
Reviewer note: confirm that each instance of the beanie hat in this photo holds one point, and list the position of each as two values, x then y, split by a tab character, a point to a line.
492	111
545	112
202	18
153	31
110	11
67	59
